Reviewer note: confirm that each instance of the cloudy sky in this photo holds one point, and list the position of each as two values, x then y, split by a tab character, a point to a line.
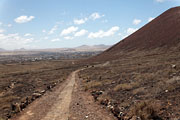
34	24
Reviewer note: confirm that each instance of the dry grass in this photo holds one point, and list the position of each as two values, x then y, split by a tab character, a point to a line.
126	86
20	81
145	111
140	76
92	84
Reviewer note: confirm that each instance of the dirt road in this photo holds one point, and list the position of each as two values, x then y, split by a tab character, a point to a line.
55	105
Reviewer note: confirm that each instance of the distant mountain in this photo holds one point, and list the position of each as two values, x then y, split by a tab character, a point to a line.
2	50
82	48
21	49
100	47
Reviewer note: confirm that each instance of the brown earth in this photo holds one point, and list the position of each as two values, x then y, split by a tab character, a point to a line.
21	84
55	105
83	106
141	84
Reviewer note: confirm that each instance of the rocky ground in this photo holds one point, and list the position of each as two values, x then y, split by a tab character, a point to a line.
84	107
140	84
21	84
65	102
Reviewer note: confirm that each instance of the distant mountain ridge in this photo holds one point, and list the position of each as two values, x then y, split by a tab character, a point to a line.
82	48
100	47
1	50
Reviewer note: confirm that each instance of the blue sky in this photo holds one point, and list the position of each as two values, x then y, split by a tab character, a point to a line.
37	24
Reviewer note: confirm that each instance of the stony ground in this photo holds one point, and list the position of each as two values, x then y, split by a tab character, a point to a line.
143	84
23	83
56	105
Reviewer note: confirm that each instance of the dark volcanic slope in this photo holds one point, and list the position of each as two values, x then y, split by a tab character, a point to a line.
164	31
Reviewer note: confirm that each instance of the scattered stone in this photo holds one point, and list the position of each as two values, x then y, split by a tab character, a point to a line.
43	91
49	87
134	118
173	66
105	102
8	116
86	116
96	94
36	95
113	82
15	107
24	103
166	91
12	85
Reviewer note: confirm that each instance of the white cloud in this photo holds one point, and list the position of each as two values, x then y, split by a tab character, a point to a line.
55	40
24	19
29	40
1	23
160	1
95	16
81	33
14	41
150	19
80	21
131	30
68	38
27	34
69	30
136	21
9	25
53	30
2	30
120	34
46	38
101	33
43	31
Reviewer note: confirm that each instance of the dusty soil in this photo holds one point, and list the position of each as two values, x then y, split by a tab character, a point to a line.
83	106
21	84
56	105
137	83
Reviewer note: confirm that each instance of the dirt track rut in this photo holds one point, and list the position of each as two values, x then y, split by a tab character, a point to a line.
52	106
59	104
60	110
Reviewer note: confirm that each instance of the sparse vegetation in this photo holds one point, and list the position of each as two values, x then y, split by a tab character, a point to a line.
21	84
126	86
145	111
140	76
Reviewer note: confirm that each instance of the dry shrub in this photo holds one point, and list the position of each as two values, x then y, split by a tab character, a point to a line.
138	90
92	84
145	111
126	86
104	97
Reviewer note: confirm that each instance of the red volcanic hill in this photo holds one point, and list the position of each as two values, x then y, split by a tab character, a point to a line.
162	32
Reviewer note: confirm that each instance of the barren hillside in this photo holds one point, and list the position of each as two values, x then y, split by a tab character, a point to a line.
162	33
